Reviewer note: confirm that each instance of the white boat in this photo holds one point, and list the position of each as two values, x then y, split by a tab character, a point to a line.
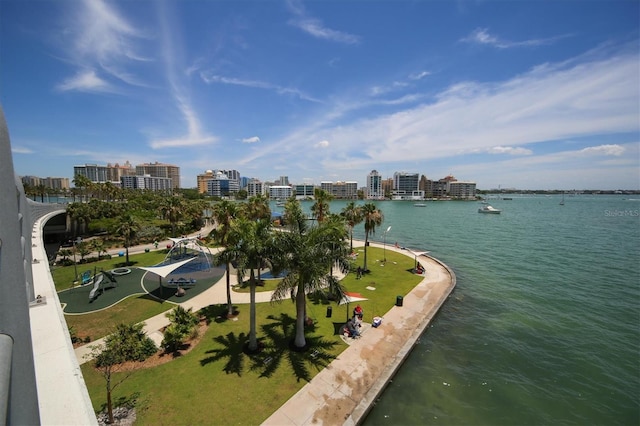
420	205
489	209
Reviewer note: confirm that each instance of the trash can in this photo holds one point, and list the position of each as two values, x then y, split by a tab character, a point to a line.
329	311
398	300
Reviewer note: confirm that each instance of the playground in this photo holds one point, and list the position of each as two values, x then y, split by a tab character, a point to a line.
186	272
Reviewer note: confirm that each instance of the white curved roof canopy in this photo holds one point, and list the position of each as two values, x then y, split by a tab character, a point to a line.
165	270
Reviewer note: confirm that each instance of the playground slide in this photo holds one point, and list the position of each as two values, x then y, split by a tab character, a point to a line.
96	286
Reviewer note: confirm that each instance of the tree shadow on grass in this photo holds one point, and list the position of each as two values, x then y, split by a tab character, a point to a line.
217	313
128	401
232	349
278	347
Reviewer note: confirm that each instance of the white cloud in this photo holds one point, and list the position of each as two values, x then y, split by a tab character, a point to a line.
482	36
252	139
86	81
509	150
19	150
212	78
101	39
322	144
315	27
578	98
419	75
607	150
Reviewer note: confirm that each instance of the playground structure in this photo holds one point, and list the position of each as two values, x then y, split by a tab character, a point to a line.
101	281
186	259
188	248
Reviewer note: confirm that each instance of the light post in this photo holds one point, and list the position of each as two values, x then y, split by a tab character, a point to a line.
384	244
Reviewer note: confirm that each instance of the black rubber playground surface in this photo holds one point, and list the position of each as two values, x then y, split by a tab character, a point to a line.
76	300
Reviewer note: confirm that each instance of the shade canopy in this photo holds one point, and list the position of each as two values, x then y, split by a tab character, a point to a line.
164	270
351	297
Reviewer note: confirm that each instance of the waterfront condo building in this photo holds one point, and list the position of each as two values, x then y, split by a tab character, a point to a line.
374	186
255	187
280	192
304	191
150	183
221	186
160	170
104	174
341	190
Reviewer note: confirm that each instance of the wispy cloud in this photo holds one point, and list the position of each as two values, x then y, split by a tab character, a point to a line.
606	150
586	96
252	139
86	81
322	144
20	150
101	39
316	28
482	36
195	135
419	75
213	79
510	150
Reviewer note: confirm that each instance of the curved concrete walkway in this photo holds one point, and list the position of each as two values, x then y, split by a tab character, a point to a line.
344	392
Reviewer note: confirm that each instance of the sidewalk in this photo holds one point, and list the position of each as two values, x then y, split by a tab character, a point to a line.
345	391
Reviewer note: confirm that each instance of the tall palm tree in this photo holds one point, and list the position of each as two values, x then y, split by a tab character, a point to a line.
321	207
307	254
372	218
172	208
352	213
253	249
224	213
127	227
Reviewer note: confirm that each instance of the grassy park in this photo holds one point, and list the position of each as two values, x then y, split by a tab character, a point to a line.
216	382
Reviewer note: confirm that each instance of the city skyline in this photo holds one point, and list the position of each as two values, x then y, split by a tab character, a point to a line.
524	95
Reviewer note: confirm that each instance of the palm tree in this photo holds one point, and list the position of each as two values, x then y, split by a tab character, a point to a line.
224	213
307	254
172	208
253	249
321	207
126	227
352	213
97	244
372	218
257	207
82	182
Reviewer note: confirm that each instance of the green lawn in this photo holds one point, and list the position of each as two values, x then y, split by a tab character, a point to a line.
216	383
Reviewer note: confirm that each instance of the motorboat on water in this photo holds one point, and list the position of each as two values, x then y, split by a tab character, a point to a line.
420	205
489	209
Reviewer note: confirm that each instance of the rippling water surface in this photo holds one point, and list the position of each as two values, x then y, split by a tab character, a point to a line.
544	325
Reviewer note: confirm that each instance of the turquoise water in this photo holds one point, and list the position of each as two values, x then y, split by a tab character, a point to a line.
544	325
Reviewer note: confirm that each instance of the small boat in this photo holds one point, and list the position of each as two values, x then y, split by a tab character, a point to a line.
562	202
420	205
489	209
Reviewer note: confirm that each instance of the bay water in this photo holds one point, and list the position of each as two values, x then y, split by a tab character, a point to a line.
544	324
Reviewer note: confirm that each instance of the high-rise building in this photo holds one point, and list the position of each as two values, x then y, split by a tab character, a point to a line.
102	174
221	186
160	170
202	181
255	187
147	182
374	186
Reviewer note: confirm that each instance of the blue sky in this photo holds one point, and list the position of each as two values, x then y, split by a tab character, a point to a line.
524	94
